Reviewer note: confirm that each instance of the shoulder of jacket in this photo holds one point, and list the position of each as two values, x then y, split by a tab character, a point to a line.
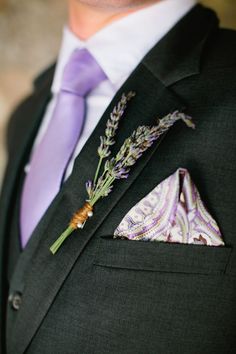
219	51
44	77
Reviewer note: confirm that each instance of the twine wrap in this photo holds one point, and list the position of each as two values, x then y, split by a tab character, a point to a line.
81	215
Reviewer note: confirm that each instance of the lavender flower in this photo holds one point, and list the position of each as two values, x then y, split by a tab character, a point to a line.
112	125
141	139
89	188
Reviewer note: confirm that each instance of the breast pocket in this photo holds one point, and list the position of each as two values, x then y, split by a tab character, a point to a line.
162	257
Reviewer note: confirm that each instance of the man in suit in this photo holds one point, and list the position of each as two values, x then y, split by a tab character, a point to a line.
98	294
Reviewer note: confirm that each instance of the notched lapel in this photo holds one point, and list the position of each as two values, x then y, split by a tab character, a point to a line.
21	131
178	55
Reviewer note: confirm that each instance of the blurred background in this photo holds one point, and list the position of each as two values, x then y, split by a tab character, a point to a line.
30	33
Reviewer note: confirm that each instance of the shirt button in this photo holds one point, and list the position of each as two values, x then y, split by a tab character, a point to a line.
27	168
15	301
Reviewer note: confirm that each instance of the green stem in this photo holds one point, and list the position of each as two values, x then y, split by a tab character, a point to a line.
127	157
97	171
96	188
106	185
57	244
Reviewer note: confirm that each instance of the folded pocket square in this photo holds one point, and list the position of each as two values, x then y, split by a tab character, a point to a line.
172	212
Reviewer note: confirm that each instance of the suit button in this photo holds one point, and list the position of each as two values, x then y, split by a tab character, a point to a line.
15	301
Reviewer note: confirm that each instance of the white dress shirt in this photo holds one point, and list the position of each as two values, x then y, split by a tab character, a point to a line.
118	49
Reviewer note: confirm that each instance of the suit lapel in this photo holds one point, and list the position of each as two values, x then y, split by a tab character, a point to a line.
178	55
46	274
20	138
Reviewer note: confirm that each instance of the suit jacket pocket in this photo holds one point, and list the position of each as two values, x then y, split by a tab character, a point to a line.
161	256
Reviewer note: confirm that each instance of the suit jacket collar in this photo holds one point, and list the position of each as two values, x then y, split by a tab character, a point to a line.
178	55
40	282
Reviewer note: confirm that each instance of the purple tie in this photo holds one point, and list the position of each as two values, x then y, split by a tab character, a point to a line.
50	159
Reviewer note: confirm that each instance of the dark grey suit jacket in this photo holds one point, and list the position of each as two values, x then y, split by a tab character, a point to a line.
99	295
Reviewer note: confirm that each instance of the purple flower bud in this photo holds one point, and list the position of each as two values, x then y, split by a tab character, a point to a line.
89	187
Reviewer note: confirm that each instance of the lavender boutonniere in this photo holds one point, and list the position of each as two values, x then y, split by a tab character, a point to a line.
117	167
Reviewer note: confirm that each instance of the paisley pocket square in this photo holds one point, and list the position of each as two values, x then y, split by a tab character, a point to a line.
172	212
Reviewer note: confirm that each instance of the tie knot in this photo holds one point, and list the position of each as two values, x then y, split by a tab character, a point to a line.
82	73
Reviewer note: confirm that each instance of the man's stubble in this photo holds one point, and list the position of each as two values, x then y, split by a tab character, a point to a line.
117	4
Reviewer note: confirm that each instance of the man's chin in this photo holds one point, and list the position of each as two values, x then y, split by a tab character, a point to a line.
117	4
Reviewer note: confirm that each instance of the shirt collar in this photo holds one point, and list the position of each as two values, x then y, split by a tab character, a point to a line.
120	46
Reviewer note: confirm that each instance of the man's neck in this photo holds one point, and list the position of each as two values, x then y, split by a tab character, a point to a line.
86	20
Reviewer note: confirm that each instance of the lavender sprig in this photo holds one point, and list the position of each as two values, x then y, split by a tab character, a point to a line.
132	149
118	167
108	140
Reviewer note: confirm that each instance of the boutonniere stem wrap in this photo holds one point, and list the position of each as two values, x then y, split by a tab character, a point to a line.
119	166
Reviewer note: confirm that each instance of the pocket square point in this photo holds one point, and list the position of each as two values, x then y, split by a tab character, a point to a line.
172	212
